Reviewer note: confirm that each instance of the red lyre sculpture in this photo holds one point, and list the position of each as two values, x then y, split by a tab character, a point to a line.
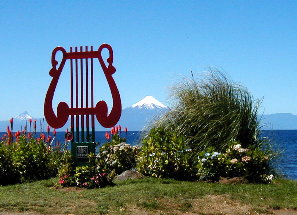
81	62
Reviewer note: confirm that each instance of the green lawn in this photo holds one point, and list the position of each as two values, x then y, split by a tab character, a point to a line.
150	196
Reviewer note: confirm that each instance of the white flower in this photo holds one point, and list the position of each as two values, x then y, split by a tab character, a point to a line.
215	154
236	147
152	154
233	161
246	159
203	159
207	154
269	177
242	150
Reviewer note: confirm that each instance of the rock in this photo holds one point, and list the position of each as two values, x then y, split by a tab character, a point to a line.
129	174
235	180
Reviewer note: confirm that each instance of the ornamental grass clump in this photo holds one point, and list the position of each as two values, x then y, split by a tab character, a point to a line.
210	116
214	112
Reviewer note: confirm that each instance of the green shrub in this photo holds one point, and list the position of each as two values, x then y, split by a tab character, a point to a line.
194	139
165	154
8	171
251	163
32	159
28	159
83	176
116	156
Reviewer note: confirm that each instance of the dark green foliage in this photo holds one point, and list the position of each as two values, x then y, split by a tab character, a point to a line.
195	139
8	171
28	159
165	154
32	159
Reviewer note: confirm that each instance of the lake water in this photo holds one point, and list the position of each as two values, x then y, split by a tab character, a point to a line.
284	141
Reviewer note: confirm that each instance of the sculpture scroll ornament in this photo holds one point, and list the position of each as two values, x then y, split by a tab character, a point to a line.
100	110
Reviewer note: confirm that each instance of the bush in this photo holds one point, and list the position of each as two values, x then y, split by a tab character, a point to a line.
253	164
194	139
116	156
83	176
28	159
165	154
8	171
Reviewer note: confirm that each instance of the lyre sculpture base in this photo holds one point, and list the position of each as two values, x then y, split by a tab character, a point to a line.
82	110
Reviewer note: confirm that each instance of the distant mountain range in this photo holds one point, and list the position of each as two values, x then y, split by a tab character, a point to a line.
135	117
139	115
278	121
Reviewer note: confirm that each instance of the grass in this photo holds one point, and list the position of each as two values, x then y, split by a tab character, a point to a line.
150	196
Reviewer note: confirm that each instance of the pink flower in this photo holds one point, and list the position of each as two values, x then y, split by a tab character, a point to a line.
61	181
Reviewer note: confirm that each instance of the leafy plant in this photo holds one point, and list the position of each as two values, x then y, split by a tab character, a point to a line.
194	139
251	163
8	171
116	156
83	176
165	154
27	158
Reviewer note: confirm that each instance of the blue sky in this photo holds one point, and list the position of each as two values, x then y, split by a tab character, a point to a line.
156	44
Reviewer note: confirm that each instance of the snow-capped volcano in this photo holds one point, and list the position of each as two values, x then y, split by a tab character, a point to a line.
23	116
149	102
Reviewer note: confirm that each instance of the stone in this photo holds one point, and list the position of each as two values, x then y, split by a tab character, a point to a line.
129	174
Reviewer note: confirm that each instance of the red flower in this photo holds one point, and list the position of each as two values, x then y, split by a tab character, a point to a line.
119	128
49	138
29	135
42	137
11	123
126	130
55	132
17	134
112	131
30	122
7	129
107	136
48	130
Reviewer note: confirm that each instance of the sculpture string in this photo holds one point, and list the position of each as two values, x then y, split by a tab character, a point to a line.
79	68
